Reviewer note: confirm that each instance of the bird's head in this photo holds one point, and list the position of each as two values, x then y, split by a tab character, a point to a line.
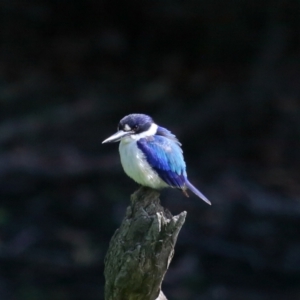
135	126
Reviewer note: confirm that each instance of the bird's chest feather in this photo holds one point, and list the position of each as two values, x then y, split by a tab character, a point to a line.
136	166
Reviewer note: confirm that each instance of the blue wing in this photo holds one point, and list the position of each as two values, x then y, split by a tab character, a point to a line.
165	156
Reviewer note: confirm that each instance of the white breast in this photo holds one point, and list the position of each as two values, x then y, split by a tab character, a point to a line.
136	166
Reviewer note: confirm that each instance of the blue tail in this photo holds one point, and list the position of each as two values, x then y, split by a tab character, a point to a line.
196	192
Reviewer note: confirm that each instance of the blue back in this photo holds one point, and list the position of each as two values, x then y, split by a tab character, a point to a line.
164	155
168	134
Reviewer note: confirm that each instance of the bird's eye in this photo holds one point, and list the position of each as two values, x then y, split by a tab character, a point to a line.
135	128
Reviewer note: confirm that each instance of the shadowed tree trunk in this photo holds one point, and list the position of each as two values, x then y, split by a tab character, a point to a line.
141	249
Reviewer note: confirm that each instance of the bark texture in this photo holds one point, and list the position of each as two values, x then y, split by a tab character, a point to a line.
141	249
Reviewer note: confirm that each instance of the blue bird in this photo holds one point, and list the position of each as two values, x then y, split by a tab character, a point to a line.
151	155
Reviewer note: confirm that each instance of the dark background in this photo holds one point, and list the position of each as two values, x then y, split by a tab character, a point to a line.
223	75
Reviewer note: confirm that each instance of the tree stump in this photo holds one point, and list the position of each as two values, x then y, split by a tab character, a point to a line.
141	250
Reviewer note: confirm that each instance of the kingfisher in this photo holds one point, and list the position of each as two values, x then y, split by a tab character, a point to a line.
151	155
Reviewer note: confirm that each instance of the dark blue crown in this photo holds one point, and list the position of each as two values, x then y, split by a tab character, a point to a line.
136	122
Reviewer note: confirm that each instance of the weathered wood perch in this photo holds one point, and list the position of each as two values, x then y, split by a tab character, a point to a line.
141	250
